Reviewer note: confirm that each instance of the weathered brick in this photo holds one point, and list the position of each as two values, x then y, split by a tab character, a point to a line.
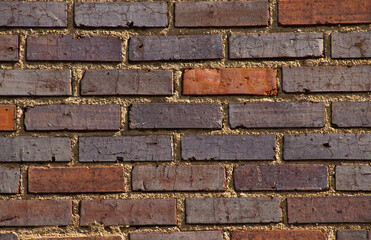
33	14
182	47
9	180
73	117
276	114
126	148
204	235
179	178
68	48
254	81
35	83
275	45
221	14
326	79
279	235
327	146
7	117
82	238
353	178
233	210
351	114
228	147
312	12
351	45
8	236
329	209
175	115
280	177
35	212
127	82
121	14
35	149
133	212
8	47
351	235
75	179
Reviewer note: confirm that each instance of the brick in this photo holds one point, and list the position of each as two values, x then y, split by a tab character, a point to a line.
170	48
35	83
9	180
175	115
275	45
82	238
33	14
254	81
279	235
127	82
314	12
276	114
73	117
285	177
228	147
327	147
133	212
121	14
329	209
126	148
8	236
188	235
221	14
35	212
351	235
8	117
68	48
75	179
351	114
178	178
35	149
353	178
326	79
9	47
351	45
233	210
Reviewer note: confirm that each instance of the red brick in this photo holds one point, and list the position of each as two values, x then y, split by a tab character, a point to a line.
9	48
201	235
7	117
279	235
82	238
75	179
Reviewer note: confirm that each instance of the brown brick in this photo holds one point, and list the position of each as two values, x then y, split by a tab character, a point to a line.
8	47
351	114
221	14
233	210
133	212
351	45
35	212
254	81
9	180
351	235
175	115
35	83
276	114
75	179
73	117
68	48
353	178
7	117
204	235
82	238
280	177
179	178
279	235
127	82
8	236
329	209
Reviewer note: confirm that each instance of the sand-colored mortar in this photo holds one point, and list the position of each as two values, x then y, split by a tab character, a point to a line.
178	66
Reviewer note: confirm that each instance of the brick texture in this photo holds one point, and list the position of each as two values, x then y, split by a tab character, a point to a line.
205	235
8	236
9	180
9	47
351	234
353	178
82	238
351	45
8	117
279	235
351	114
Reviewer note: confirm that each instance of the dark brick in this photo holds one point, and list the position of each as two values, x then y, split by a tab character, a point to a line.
353	178
182	47
279	235
351	45
82	238
351	114
9	180
175	115
228	147
8	236
351	235
8	117
8	47
204	235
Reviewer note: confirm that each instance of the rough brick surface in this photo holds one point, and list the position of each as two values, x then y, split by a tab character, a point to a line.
73	117
326	79
133	212
276	115
351	45
275	45
233	210
327	147
9	180
35	149
255	81
351	114
279	235
228	147
7	117
329	209
184	47
221	14
9	47
178	178
126	148
175	115
35	83
204	235
75	179
353	178
82	238
127	82
351	235
8	236
67	48
280	177
35	212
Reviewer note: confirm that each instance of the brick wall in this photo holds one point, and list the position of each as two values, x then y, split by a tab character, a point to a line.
138	120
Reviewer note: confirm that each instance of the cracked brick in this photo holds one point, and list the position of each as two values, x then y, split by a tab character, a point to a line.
351	45
9	180
8	117
351	114
186	235
9	48
353	178
279	235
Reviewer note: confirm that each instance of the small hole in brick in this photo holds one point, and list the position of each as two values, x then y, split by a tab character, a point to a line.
120	158
6	109
53	159
326	145
140	46
11	49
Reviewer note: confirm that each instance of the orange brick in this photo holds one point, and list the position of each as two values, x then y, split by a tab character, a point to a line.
7	117
279	235
254	81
